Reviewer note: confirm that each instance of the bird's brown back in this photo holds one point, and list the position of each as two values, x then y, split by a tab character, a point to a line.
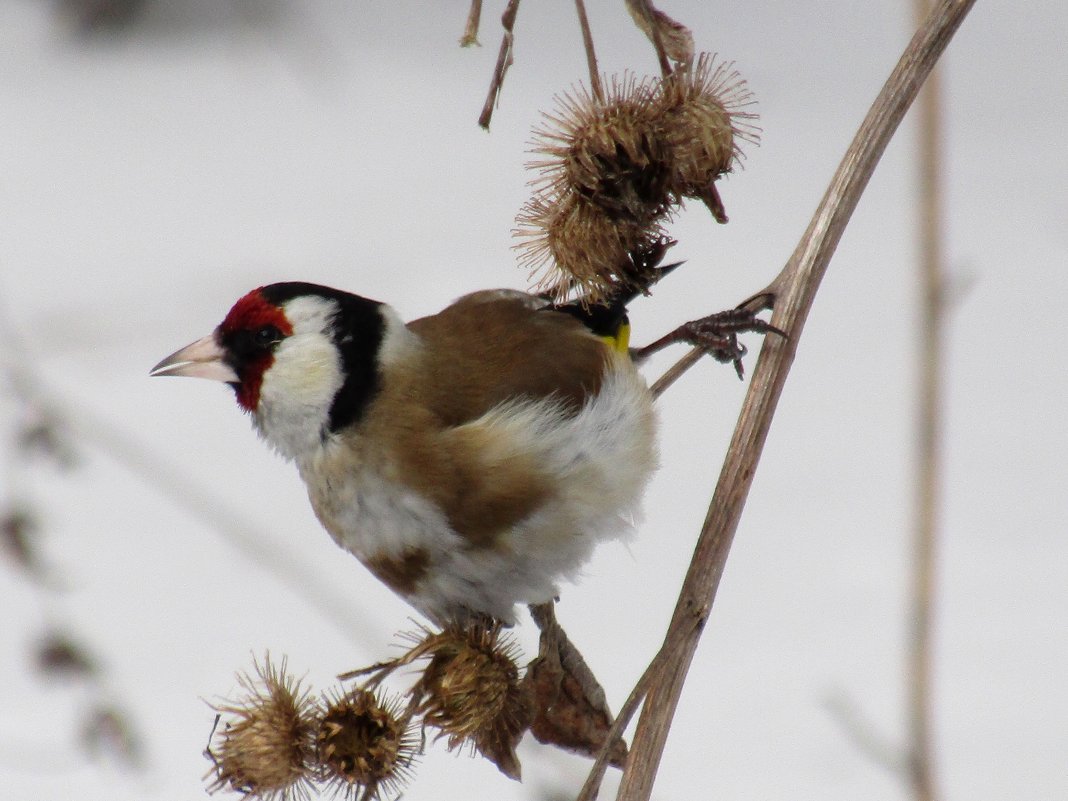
491	347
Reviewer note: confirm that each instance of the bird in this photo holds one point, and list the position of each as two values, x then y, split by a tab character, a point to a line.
472	459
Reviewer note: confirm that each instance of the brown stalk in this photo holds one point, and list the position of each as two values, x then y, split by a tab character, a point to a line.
643	14
919	747
591	55
794	290
504	61
470	34
673	640
674	373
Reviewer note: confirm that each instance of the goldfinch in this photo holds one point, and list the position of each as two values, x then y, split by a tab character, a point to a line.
471	459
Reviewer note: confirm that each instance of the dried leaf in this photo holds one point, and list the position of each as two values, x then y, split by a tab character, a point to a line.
571	710
675	38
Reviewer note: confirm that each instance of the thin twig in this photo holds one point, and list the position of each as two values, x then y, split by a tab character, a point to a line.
864	734
504	61
592	784
657	25
591	55
470	34
674	373
795	289
929	436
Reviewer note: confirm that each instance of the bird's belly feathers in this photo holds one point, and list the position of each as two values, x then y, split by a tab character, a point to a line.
587	471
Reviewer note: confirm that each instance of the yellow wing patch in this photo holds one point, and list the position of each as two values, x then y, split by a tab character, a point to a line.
620	341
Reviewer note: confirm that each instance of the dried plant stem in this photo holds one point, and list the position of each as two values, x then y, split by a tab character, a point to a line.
470	34
504	61
794	289
929	436
667	650
864	734
642	9
674	373
591	56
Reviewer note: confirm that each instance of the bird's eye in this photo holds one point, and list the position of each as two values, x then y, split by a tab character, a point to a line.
267	336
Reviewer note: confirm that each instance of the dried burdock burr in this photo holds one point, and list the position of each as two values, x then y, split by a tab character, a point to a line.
612	172
265	745
605	151
701	121
591	250
365	743
472	693
601	193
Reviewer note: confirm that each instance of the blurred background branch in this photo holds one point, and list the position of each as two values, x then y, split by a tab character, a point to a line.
928	476
113	441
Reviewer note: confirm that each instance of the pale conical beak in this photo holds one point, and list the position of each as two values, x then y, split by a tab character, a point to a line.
203	359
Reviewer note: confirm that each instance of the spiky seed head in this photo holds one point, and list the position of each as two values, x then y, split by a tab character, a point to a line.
613	171
574	246
365	742
605	151
602	192
701	121
465	686
471	691
265	745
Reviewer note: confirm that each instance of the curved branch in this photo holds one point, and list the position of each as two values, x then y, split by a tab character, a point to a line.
795	287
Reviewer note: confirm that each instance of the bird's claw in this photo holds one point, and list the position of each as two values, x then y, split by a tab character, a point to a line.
718	333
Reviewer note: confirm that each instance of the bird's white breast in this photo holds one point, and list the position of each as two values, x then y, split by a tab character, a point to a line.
599	458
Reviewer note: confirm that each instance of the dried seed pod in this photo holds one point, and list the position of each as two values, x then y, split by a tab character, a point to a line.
606	152
578	247
365	742
613	172
471	691
701	121
603	192
266	745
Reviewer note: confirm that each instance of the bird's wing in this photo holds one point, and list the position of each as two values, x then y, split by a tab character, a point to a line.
498	346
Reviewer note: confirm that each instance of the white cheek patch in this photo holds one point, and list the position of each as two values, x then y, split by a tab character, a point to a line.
299	387
306	371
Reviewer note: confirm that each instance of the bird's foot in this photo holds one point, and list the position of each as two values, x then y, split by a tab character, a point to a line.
717	334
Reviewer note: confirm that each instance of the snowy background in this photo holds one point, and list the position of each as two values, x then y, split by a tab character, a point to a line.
150	177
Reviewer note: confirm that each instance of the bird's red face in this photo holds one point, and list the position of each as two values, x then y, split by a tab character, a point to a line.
239	351
249	334
302	358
